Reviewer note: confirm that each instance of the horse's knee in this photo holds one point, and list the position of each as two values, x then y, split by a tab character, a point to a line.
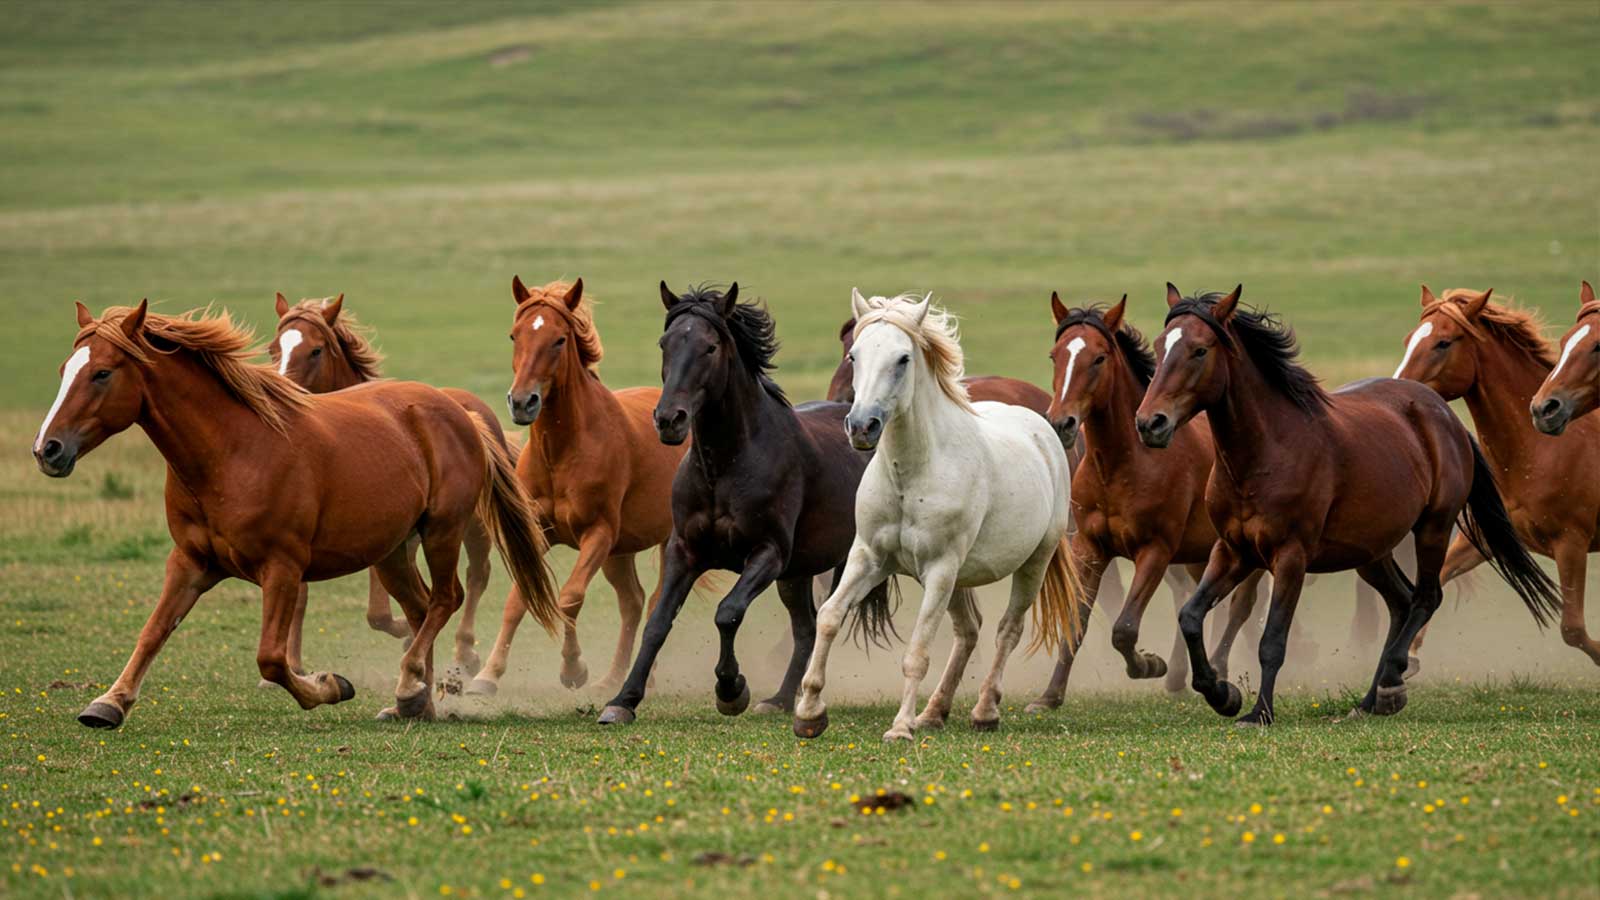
273	668
379	621
1192	621
914	666
1125	637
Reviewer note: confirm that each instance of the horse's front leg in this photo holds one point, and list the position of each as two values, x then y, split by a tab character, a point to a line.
678	575
281	593
622	574
760	569
477	545
1148	569
938	582
186	579
862	572
594	545
1095	567
1223	574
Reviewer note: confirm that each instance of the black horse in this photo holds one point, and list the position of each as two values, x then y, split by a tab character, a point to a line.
766	490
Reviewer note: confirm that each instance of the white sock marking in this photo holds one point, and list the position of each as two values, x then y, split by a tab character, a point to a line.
1173	337
69	374
1074	347
538	322
1572	345
286	343
1411	346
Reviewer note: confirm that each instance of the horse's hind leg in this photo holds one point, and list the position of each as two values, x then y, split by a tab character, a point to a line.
966	619
1388	693
1025	584
1240	607
620	573
477	545
1093	568
1148	570
1397	596
487	681
1181	581
796	596
441	546
1460	559
760	568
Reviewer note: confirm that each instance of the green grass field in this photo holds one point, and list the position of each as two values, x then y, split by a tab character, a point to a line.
416	155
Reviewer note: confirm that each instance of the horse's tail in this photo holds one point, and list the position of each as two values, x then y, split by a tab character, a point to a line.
1487	525
508	516
873	619
1056	616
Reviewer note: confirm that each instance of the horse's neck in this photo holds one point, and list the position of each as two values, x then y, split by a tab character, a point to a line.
194	420
564	425
347	375
1499	398
1249	422
724	428
1108	427
933	427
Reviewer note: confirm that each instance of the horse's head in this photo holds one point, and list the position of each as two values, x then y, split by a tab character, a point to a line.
305	349
884	359
1572	388
698	356
1192	365
546	336
102	389
841	388
1440	352
1084	354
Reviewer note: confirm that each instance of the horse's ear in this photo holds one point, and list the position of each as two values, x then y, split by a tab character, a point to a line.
1585	294
1057	308
519	291
574	295
1113	316
85	318
668	298
1476	304
1225	307
847	329
858	303
282	305
134	322
330	310
920	311
730	299
1174	297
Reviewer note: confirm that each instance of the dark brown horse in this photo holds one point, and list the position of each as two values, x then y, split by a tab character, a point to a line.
276	486
323	349
1495	358
767	490
1572	389
1299	485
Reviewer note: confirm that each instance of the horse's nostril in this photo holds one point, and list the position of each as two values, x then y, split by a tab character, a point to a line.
52	450
1549	407
1158	422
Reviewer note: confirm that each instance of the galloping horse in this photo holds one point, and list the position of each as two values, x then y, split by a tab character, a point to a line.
959	495
1300	486
597	473
1572	390
322	349
1495	358
276	486
1128	501
764	491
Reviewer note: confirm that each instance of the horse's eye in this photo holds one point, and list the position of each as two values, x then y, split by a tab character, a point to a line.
1099	359
561	342
710	349
316	351
512	338
102	376
1442	345
904	359
1199	352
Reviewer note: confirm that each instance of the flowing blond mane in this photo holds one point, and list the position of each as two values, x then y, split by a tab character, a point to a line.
554	296
935	336
219	344
354	339
1519	327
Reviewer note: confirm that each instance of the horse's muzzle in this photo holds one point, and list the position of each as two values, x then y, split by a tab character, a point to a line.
1551	416
672	426
524	407
864	430
56	456
1156	430
1067	430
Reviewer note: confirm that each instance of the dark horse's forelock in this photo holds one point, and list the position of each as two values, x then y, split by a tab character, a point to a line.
1270	344
750	327
1141	359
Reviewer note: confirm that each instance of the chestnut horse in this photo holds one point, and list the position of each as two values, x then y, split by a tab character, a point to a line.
276	486
767	490
1495	358
323	349
1299	486
1129	501
598	475
1572	390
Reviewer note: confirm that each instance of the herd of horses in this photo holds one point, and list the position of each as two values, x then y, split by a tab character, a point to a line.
1209	458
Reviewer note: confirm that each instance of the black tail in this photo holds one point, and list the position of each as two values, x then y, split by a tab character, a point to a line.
873	621
1487	525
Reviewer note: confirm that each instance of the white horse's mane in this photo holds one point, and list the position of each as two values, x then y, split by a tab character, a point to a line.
935	335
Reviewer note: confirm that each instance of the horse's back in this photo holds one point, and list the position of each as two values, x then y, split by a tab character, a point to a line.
1000	389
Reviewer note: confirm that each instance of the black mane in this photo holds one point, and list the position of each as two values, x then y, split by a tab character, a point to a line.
1270	344
750	327
1141	359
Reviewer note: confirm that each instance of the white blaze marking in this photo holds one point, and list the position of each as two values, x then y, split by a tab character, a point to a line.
69	373
538	322
1566	351
286	343
1173	337
1411	346
1074	346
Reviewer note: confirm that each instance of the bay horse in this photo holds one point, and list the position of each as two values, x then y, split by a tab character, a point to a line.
1299	486
323	349
1129	501
957	494
276	486
1494	357
1572	389
765	490
598	475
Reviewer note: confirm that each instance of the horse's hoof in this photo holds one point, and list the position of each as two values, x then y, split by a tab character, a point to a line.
1043	704
616	715
738	704
929	723
769	706
1253	720
1413	666
388	714
575	676
412	707
469	662
1153	666
1232	700
265	685
100	714
895	734
1390	700
347	691
985	724
810	728
483	687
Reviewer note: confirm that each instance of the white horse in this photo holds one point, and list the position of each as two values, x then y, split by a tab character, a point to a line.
960	494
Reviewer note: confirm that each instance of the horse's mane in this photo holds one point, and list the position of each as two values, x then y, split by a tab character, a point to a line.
1270	344
1141	359
219	344
1591	308
750	327
1521	328
935	336
554	295
354	339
